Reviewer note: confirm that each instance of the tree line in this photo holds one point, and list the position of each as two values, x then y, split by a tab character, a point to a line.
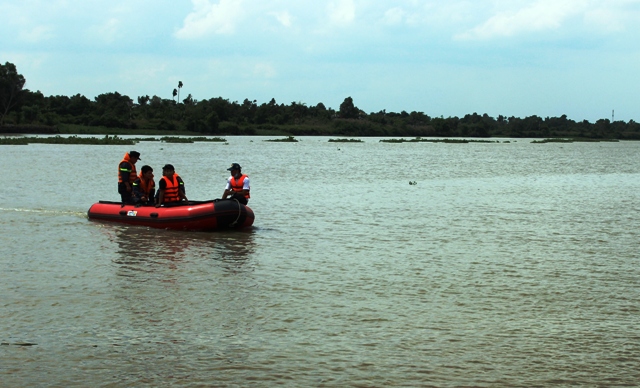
21	107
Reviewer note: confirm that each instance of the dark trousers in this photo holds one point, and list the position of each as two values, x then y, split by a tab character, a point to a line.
125	196
240	198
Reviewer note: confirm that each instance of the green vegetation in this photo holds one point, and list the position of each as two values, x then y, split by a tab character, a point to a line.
345	141
173	139
114	140
289	139
558	140
421	140
107	140
25	111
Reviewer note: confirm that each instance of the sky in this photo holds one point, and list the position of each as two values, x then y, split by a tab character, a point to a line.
549	58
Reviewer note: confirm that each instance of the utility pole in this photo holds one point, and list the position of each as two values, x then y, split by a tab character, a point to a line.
612	115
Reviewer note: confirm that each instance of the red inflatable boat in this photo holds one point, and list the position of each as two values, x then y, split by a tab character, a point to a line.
191	215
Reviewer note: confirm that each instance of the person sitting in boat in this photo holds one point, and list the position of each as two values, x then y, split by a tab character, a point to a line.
237	185
170	187
144	187
126	175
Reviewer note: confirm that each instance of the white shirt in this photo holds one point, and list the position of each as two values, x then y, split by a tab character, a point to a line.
245	184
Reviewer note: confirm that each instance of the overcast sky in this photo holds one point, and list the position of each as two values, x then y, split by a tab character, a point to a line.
444	58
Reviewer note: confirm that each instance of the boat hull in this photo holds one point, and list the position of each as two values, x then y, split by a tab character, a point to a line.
192	215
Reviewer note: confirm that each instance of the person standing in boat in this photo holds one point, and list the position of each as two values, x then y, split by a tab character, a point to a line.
237	185
144	188
170	187
126	175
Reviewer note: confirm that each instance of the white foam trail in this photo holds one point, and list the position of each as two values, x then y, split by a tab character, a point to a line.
44	211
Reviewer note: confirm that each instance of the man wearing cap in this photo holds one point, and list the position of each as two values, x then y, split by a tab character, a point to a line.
171	187
237	185
127	174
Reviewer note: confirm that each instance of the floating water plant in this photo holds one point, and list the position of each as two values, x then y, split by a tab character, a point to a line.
421	140
289	139
174	139
345	141
553	141
114	140
564	140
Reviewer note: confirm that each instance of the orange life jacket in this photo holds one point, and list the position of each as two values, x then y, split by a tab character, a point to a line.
172	191
133	174
145	186
236	185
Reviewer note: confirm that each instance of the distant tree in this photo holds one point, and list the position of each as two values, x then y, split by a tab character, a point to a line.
175	93
348	110
248	109
113	103
298	110
79	105
222	107
11	84
213	122
179	87
143	100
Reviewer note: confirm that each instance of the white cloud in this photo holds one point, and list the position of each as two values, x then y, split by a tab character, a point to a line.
607	19
542	15
394	16
108	32
211	18
283	18
341	11
37	34
264	70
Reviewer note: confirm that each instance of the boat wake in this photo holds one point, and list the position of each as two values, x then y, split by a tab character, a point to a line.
44	211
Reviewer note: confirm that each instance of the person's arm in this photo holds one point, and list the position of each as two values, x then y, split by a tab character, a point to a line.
181	190
161	187
227	189
125	173
135	192
160	198
245	187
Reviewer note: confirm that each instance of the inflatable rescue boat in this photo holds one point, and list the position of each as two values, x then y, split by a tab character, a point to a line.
189	215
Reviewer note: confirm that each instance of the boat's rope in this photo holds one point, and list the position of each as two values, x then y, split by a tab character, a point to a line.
233	224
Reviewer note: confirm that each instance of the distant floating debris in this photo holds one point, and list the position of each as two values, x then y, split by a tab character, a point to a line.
413	183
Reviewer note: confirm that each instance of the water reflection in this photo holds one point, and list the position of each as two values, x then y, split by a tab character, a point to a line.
142	249
169	283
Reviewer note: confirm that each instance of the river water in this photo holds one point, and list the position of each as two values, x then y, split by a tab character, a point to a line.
509	264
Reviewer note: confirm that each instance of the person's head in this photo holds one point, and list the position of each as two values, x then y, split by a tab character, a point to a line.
235	169
168	170
134	156
147	172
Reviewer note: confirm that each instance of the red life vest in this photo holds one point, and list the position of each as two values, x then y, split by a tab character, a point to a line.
145	186
172	190
133	174
236	185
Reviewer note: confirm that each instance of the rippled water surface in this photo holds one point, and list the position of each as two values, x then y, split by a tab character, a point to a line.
510	264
